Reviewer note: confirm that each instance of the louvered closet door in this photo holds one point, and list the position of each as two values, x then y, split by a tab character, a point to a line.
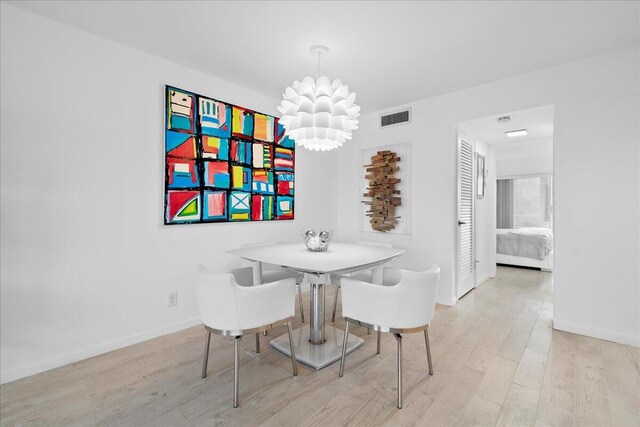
465	215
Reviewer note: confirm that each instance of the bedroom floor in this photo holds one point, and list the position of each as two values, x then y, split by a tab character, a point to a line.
497	361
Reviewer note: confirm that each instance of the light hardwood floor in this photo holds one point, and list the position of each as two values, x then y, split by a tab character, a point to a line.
497	361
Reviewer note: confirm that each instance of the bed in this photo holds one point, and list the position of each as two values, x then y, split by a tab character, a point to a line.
526	247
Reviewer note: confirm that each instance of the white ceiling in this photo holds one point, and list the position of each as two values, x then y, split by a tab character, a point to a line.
388	52
537	121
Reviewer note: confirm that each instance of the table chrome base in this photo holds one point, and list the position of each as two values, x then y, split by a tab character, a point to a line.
317	356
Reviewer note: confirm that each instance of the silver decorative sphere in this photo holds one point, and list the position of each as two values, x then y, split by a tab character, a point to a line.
317	242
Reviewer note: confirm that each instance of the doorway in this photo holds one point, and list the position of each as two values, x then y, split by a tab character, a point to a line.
505	196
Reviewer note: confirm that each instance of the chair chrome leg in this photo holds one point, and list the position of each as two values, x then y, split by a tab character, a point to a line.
236	345
426	340
292	349
205	361
399	339
257	342
379	335
335	304
299	286
344	347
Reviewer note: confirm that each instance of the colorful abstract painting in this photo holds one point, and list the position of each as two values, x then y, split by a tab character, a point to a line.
224	163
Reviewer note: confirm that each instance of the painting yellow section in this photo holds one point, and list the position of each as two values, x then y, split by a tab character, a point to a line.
240	215
260	131
237	120
212	141
237	176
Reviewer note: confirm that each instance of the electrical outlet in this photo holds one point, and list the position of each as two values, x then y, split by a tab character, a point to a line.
173	299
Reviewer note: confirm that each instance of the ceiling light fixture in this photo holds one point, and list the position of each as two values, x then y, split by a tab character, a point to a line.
319	114
519	132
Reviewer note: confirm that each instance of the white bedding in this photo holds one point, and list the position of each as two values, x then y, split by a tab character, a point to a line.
530	242
535	231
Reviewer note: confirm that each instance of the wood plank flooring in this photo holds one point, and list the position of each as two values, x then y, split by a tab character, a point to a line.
497	361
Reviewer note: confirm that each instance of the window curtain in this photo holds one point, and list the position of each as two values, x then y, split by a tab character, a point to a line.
504	214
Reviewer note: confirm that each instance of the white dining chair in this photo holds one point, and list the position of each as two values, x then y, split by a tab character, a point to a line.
363	275
229	309
272	273
405	303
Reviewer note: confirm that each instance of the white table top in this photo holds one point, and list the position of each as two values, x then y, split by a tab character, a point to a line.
339	258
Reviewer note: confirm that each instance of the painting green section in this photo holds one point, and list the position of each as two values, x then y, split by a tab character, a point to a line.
190	209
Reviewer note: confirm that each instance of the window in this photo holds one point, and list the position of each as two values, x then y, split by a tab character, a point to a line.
525	202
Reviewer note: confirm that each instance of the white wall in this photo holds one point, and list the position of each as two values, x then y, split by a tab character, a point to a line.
86	262
530	158
485	218
596	176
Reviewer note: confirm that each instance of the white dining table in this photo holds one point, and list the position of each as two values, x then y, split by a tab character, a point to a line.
316	344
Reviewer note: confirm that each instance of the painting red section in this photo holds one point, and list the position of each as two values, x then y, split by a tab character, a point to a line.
185	150
256	208
192	168
177	199
286	216
283	188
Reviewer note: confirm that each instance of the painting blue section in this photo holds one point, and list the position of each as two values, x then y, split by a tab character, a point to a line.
239	203
224	131
285	177
287	142
223	153
248	124
248	152
244	152
282	139
173	139
221	181
180	122
210	120
283	199
183	180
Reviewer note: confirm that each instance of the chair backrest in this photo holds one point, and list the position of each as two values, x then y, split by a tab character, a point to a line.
217	299
417	294
243	276
227	306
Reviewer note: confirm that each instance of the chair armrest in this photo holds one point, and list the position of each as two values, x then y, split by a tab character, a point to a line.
266	303
370	303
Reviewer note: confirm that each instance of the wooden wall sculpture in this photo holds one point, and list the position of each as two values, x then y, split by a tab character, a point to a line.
382	190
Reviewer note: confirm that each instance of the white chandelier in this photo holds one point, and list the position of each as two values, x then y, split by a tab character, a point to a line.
319	114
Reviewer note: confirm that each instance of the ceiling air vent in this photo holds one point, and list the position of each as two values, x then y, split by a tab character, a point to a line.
394	119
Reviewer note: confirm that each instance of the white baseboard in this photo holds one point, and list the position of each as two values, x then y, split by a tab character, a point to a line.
590	331
95	350
483	279
446	301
